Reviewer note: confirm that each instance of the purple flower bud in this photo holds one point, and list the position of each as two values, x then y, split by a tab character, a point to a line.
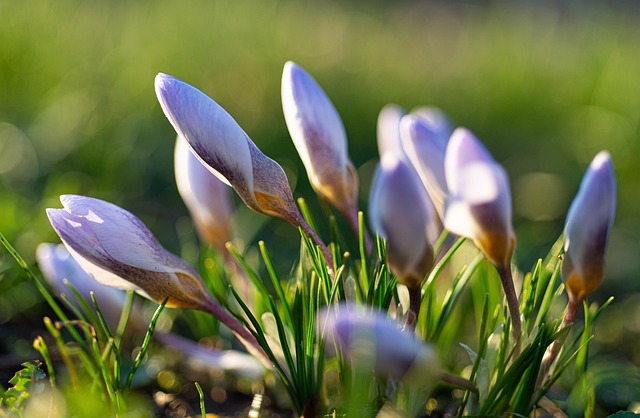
319	136
206	197
58	267
118	250
373	340
400	212
221	144
588	227
479	202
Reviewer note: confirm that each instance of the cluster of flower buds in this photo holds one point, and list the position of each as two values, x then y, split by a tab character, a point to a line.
429	176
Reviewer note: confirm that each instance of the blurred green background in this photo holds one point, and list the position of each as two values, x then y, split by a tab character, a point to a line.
546	86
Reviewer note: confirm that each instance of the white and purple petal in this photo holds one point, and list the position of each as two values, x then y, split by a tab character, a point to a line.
588	227
479	202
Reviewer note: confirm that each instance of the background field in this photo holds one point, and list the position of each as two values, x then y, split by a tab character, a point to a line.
545	87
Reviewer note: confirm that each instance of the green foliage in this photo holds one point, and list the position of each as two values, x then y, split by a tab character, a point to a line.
23	384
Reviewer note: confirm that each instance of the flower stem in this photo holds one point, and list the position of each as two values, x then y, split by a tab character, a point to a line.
415	300
512	303
239	331
570	315
459	382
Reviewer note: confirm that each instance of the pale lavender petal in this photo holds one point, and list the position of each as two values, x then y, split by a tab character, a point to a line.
97	235
463	149
121	235
210	131
58	266
371	339
206	197
436	120
589	223
388	132
425	149
314	124
319	136
479	202
400	212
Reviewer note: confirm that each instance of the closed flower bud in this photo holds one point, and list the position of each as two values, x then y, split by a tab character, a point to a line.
373	340
118	250
588	227
400	212
319	136
425	145
207	198
221	144
479	202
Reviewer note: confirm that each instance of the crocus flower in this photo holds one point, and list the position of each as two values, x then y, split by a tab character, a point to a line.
479	202
400	212
425	143
206	197
226	150
319	136
58	266
588	227
118	250
371	339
